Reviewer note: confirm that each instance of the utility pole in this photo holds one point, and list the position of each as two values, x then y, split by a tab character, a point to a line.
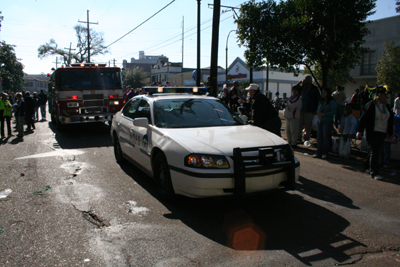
69	54
214	47
56	62
88	34
198	45
183	37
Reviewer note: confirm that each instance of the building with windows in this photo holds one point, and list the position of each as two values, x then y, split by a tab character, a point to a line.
163	69
144	62
381	30
35	83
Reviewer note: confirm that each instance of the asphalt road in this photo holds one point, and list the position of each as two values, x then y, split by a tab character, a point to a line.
94	212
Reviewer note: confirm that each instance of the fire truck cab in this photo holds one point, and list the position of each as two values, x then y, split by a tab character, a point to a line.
85	93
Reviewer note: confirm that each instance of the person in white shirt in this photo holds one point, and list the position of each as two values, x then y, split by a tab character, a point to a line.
292	115
396	108
377	121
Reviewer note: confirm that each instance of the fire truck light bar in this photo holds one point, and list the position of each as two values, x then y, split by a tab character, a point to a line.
88	65
171	90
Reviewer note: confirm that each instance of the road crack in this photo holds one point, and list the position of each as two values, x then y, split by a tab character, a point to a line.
95	219
368	252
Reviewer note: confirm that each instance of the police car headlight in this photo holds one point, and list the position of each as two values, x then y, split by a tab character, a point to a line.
206	161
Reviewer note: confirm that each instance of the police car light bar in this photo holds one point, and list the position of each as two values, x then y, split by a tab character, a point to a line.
172	90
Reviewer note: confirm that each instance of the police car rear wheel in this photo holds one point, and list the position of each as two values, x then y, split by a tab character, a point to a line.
163	178
119	157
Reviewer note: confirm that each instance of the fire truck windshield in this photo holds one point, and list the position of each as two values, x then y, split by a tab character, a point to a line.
88	79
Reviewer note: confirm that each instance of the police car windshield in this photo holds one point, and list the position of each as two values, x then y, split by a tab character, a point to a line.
88	79
189	113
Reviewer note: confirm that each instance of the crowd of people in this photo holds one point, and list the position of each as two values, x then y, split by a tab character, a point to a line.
25	109
367	115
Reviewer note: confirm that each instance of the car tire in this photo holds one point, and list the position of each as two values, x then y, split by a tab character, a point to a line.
119	156
162	178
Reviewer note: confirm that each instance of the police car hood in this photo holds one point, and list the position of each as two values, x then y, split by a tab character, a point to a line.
222	140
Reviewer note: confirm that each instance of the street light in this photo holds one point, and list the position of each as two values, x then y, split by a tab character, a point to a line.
226	63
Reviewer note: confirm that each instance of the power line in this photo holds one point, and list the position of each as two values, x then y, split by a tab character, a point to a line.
162	43
141	23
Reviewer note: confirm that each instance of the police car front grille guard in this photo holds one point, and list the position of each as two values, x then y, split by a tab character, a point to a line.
275	157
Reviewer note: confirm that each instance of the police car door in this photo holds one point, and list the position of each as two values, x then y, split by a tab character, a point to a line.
125	127
141	136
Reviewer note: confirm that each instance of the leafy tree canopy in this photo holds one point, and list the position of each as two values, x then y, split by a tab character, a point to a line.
388	67
11	69
290	33
134	77
80	53
398	6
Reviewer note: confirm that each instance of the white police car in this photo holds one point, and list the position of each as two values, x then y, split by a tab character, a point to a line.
194	145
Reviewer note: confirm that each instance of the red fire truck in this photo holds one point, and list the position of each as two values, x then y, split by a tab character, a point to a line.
85	93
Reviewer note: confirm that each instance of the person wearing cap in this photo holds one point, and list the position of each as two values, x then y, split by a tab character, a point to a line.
377	121
263	113
5	114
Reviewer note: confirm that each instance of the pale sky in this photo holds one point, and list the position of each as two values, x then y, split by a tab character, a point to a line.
31	23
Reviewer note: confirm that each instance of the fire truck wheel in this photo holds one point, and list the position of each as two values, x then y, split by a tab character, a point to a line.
162	178
119	156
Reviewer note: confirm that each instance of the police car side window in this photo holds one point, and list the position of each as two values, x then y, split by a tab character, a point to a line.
131	109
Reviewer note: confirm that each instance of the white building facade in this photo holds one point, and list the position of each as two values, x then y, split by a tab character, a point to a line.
387	29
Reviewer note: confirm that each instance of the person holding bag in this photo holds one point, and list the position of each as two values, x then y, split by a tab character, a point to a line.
377	121
292	115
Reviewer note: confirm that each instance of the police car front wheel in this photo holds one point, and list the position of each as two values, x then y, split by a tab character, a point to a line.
162	178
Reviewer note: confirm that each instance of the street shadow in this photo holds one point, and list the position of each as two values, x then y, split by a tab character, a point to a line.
79	136
322	192
276	221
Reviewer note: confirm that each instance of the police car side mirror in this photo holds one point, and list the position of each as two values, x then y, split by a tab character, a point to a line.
141	122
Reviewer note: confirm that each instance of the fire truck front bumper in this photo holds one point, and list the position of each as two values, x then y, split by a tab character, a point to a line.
87	118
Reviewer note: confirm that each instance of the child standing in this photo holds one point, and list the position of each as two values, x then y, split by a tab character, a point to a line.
348	123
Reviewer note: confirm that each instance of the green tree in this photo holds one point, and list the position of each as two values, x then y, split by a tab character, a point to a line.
80	54
398	6
134	77
388	67
11	69
323	33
